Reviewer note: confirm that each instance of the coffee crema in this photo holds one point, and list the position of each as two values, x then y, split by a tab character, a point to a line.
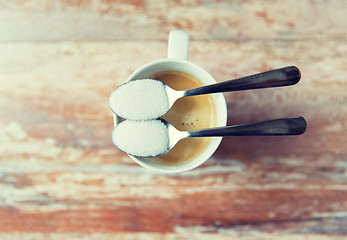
187	114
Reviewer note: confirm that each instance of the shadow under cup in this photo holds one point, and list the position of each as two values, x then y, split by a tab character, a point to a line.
187	114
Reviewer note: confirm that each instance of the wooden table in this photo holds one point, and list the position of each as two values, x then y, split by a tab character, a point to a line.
62	178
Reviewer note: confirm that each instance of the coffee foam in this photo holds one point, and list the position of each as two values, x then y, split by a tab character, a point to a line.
187	114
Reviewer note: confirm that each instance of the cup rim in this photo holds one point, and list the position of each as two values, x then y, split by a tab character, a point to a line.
221	108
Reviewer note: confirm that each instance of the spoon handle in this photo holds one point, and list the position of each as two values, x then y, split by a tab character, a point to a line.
275	78
283	126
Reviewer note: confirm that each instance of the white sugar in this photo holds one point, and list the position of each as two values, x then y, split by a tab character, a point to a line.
141	138
140	100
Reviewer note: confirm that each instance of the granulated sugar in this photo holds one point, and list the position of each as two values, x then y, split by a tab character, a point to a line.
141	138
140	100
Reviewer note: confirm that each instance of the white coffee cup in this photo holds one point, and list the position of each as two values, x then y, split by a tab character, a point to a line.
178	61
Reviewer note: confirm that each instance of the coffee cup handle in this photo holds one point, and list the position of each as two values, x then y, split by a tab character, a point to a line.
178	45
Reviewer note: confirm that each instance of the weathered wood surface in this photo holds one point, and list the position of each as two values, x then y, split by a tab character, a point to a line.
61	177
40	20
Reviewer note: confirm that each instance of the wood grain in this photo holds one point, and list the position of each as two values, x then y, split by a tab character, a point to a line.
153	19
62	178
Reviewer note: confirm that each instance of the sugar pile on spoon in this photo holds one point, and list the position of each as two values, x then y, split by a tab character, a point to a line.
140	100
141	138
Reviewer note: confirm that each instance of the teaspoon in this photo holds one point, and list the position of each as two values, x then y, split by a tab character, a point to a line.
282	126
130	104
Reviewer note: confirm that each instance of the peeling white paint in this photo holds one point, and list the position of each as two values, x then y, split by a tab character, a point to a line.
342	215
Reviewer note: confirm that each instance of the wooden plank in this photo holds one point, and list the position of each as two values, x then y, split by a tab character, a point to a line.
60	174
153	19
163	236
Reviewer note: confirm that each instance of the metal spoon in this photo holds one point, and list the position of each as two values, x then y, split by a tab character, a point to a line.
283	126
275	78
